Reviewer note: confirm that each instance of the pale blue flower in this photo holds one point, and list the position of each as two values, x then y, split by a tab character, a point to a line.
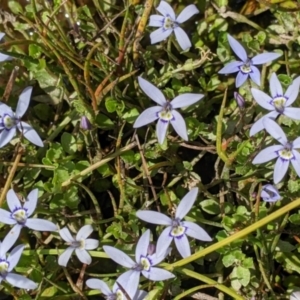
165	112
269	193
177	229
278	104
80	244
246	67
10	121
7	264
19	215
4	57
85	123
144	264
116	292
285	153
169	23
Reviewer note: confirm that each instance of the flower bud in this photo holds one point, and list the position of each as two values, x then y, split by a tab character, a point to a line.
85	124
239	100
151	249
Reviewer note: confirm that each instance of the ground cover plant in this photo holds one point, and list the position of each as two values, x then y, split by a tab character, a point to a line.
101	198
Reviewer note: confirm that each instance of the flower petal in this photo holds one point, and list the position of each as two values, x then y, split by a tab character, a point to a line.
64	258
292	112
263	58
140	295
197	232
156	21
161	130
178	124
182	38
166	10
23	102
280	169
20	281
255	75
262	99
164	241
30	134
5	217
296	145
119	256
231	67
6	136
5	109
156	259
83	256
258	125
186	100
186	203
275	130
183	246
158	274
296	161
91	244
100	285
4	57
159	35
152	91
40	225
153	217
187	13
84	232
31	201
14	257
269	193
66	235
237	48
147	116
11	238
267	154
275	86
240	79
130	285
13	201
292	91
142	246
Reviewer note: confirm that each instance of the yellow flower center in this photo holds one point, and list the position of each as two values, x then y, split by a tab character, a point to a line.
178	231
145	264
4	267
279	103
8	121
168	23
20	215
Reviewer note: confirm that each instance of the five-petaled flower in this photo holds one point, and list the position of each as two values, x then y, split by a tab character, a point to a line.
7	264
269	193
144	264
3	57
19	215
169	23
116	293
80	244
246	67
10	121
278	104
177	229
165	112
285	153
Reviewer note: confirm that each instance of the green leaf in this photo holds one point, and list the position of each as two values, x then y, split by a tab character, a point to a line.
15	7
295	219
243	275
210	206
131	115
113	105
104	122
68	143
